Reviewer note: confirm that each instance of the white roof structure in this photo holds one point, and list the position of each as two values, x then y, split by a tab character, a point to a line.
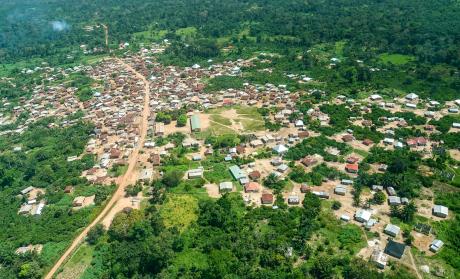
226	186
436	245
411	96
362	215
440	210
392	230
280	149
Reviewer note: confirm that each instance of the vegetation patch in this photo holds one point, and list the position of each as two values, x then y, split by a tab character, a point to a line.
396	59
179	211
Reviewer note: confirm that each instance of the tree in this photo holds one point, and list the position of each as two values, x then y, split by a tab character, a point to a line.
182	120
30	271
379	198
95	233
336	205
172	178
407	213
273	182
323	268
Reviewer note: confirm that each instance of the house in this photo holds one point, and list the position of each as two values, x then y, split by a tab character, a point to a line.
391	191
78	201
268	138
340	190
146	174
266	198
367	142
395	249
280	149
453	110
375	97
236	172
195	173
347	182
411	96
394	200
276	161
411	106
379	258
25	209
256	143
155	159
226	186
348	138
68	189
440	211
309	161
254	175
436	245
27	190
196	157
195	123
282	168
304	188
159	129
362	215
352	168
388	141
252	187
392	230
345	218
299	124
352	160
456	125
322	194
303	134
293	199
377	187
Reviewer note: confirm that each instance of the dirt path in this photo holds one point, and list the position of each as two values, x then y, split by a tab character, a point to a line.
413	264
106	33
122	181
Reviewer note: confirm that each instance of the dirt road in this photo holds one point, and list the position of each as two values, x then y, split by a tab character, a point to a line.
122	181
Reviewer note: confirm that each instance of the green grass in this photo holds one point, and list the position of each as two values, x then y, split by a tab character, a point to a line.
186	32
361	152
220	119
216	130
224	82
79	261
117	170
253	125
179	211
150	35
396	59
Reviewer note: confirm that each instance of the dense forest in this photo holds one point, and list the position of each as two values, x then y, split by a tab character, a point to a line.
428	30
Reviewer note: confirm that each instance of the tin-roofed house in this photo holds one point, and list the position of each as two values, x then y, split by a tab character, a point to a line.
195	123
440	211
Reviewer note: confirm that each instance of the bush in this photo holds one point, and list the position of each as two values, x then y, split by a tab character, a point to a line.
336	205
94	234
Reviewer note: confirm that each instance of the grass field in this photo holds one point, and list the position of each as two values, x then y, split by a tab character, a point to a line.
77	264
397	59
249	118
220	119
179	211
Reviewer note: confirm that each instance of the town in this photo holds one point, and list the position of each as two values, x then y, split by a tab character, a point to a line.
234	128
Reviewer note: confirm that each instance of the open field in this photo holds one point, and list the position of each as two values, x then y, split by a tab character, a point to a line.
179	211
77	264
397	59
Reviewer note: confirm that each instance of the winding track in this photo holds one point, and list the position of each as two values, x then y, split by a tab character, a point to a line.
122	181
